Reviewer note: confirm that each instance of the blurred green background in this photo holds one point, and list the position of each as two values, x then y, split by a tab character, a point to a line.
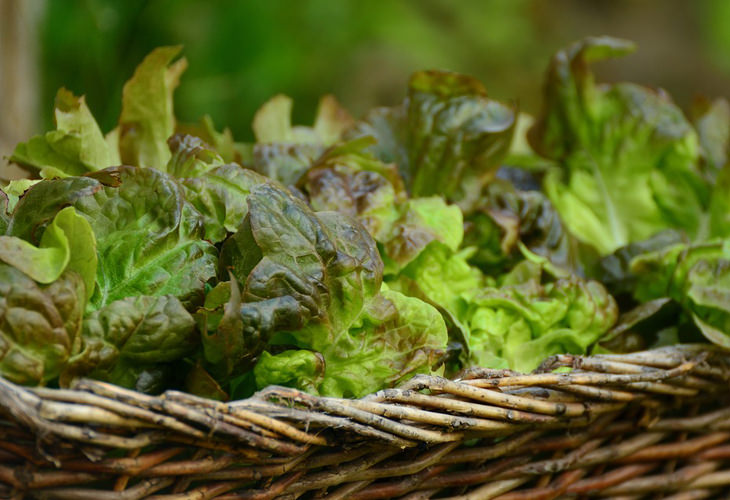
241	53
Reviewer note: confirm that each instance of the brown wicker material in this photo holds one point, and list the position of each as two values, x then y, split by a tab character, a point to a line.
654	424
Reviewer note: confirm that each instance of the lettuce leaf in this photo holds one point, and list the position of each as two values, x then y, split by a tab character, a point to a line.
627	156
76	147
148	237
323	270
147	118
40	325
697	276
126	340
530	318
447	137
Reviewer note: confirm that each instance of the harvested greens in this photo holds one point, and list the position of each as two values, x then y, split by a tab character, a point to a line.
345	257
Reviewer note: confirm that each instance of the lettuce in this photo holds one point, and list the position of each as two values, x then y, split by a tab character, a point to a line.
319	277
447	137
626	156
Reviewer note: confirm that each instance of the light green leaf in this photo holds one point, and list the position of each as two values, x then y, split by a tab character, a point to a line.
147	118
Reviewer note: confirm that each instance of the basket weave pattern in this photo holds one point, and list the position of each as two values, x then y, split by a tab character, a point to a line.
654	424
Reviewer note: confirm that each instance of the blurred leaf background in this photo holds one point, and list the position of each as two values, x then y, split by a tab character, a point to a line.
242	52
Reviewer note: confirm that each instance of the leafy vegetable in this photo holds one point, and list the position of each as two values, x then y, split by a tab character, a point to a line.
627	156
330	266
76	146
447	137
40	325
697	276
125	341
530	318
147	118
148	236
345	257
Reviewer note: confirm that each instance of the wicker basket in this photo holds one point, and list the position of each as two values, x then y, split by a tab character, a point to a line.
653	424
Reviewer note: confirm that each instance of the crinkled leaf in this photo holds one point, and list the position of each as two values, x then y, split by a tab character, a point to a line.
129	337
294	368
528	319
13	192
68	243
148	236
447	137
220	196
147	119
695	275
191	157
222	142
39	325
627	155
324	272
76	146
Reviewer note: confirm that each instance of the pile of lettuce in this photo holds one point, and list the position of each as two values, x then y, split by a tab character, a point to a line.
340	258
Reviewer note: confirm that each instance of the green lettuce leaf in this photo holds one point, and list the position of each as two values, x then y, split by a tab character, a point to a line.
272	123
447	137
40	325
627	156
148	236
76	146
125	341
530	318
711	119
67	243
697	276
147	119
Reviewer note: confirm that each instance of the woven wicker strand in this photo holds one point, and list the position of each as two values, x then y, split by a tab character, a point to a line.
654	424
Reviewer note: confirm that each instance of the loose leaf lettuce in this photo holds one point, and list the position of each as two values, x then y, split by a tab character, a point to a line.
124	341
217	190
328	267
68	243
76	146
697	276
628	157
148	236
447	137
530	318
147	118
39	325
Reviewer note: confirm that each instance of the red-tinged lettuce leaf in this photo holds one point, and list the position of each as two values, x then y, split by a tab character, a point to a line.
40	325
284	152
147	119
628	158
128	341
217	190
222	142
149	238
351	181
506	217
76	147
447	137
324	270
